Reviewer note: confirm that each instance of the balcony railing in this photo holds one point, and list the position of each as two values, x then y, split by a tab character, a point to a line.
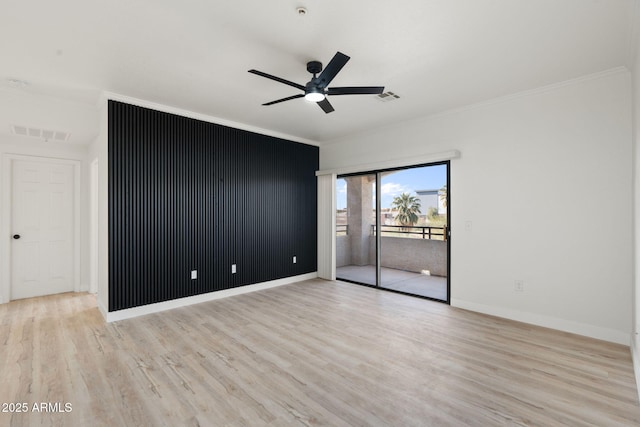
413	231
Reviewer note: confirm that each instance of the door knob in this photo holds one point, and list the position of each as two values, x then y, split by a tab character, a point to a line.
16	236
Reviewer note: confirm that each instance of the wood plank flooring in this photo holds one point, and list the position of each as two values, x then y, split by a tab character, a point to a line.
311	353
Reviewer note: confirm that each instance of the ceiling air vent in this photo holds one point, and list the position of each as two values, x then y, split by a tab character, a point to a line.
47	135
20	130
387	96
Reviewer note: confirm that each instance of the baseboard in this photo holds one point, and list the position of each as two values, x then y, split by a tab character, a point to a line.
635	347
584	329
103	309
128	313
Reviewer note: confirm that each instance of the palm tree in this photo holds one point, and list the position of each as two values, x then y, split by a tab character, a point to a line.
408	208
443	196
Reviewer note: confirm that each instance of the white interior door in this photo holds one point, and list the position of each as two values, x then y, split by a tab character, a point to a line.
42	245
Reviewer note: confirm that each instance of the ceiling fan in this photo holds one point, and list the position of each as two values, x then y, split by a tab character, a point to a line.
316	89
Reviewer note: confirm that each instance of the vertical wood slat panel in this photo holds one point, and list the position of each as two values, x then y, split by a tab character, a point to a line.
190	195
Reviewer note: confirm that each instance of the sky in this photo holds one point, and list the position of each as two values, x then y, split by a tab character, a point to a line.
403	181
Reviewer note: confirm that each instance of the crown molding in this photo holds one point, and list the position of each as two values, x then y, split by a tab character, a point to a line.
106	96
394	163
537	91
489	102
634	30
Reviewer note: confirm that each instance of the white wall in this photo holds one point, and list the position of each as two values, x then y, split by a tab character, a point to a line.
543	155
33	147
636	169
98	150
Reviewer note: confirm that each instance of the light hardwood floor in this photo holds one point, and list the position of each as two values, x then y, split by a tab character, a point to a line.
312	353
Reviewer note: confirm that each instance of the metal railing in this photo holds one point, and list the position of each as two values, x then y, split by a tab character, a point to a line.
342	229
425	232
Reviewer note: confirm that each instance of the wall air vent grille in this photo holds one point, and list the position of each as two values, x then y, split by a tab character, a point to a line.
387	96
20	130
47	135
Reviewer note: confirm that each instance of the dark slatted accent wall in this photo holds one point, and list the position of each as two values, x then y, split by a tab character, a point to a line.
191	195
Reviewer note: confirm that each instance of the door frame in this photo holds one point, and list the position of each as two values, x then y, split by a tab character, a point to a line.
378	182
5	218
94	228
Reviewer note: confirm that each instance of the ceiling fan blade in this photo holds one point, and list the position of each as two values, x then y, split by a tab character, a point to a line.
356	90
326	106
285	99
278	79
333	67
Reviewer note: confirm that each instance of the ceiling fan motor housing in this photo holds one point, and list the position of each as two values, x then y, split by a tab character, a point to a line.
312	87
314	67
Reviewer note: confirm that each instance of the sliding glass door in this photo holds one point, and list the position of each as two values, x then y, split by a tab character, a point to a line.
399	241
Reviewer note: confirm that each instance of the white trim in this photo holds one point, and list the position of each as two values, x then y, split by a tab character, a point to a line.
105	96
94	219
483	104
635	347
77	221
634	20
5	240
114	316
394	163
5	224
533	92
327	227
102	308
584	329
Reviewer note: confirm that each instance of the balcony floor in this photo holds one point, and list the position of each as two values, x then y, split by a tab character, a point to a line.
399	280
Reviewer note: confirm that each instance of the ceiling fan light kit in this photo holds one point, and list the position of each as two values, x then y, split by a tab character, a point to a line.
314	95
316	89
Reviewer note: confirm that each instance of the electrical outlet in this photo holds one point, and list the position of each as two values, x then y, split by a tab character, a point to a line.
233	269
518	286
194	274
295	259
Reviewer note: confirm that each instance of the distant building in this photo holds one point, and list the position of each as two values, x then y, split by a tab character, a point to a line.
387	217
431	199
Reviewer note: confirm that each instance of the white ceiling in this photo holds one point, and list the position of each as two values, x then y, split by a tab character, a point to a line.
436	54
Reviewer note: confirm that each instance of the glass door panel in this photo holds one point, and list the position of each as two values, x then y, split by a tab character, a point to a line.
413	231
355	222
